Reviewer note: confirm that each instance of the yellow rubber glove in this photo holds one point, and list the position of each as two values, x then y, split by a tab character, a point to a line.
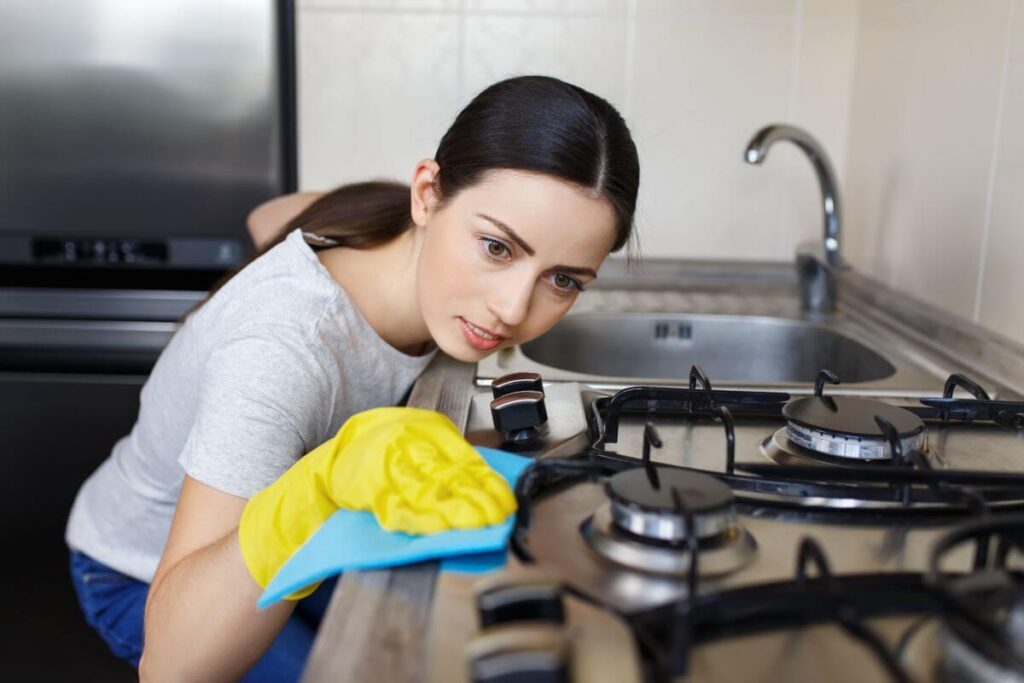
411	467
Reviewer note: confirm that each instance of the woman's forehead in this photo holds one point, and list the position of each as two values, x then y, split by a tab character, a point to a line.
550	214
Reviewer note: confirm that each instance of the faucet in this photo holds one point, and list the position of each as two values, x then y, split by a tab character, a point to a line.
818	264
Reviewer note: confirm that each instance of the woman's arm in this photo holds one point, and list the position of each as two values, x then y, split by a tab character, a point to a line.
201	620
266	221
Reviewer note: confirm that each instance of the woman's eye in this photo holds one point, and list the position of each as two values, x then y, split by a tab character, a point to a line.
566	284
495	249
499	251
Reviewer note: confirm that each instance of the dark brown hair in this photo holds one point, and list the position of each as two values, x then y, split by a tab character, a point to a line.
528	123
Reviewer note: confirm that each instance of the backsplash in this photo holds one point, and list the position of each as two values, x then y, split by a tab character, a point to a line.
935	171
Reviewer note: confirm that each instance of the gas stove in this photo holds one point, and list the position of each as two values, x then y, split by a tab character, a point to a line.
700	534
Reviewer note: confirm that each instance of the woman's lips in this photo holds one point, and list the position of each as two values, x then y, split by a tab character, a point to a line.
475	340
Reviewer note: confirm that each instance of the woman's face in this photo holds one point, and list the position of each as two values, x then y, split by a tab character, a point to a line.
505	259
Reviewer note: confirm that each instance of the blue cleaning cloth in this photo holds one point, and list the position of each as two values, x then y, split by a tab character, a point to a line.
477	563
352	539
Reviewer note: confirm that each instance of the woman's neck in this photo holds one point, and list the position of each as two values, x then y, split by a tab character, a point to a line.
382	284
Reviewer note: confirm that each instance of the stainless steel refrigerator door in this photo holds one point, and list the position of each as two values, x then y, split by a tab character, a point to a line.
135	119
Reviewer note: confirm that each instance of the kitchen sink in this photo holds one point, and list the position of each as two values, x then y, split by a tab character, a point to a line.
609	349
733	349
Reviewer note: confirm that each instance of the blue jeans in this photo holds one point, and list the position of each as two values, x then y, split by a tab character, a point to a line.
114	604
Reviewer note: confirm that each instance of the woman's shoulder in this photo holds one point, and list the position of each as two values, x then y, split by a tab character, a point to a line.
285	283
270	348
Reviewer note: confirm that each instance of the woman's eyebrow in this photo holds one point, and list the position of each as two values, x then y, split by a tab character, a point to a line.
529	250
510	232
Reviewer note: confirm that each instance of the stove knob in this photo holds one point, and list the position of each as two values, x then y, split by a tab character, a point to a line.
532	654
517	381
520	596
519	416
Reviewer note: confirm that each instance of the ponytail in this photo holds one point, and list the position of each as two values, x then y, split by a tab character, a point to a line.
358	215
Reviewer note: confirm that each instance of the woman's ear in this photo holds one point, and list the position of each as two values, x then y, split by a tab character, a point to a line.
423	192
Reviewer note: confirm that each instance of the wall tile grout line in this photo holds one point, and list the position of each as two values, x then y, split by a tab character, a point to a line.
867	242
358	9
428	11
630	57
691	16
460	84
786	213
993	165
851	79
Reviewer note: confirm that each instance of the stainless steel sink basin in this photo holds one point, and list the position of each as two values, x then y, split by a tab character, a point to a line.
623	337
733	349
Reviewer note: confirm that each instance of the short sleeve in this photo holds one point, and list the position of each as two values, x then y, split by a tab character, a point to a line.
258	405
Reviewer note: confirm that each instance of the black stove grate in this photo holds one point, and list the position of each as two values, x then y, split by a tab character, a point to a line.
907	479
667	634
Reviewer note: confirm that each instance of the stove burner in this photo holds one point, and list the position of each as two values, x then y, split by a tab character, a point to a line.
845	427
983	616
644	504
647	523
963	662
726	553
968	655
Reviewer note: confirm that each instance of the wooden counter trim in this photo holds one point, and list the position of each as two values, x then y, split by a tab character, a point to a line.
375	627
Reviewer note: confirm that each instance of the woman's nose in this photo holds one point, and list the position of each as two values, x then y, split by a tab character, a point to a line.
511	301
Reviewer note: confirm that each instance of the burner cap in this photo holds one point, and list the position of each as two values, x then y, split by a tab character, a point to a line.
641	508
850	416
845	426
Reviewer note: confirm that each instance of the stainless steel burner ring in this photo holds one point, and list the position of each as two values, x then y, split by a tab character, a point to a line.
843	446
734	551
672	527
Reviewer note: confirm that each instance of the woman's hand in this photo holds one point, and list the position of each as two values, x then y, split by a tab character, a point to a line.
411	467
415	472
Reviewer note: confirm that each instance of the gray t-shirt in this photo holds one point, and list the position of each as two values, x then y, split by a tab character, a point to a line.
267	369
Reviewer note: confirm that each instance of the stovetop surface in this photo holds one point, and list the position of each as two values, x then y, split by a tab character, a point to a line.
826	568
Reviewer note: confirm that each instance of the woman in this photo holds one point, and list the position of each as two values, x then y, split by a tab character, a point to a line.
530	189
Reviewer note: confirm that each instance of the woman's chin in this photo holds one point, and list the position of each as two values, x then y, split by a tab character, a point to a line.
465	354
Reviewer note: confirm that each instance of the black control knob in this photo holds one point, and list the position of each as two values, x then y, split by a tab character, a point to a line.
519	416
517	381
534	654
509	598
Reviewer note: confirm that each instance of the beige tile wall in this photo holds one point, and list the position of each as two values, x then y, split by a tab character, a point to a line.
998	304
935	169
380	80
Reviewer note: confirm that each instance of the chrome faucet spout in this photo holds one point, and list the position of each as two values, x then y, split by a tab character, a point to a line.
818	266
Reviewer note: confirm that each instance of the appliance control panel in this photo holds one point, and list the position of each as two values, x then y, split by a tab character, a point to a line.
99	251
130	252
